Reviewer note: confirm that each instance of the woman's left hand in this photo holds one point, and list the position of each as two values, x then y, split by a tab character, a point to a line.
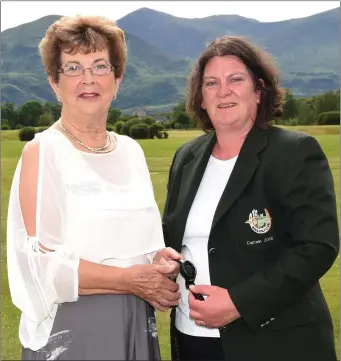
216	311
169	255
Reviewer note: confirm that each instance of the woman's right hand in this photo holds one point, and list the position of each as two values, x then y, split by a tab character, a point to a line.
151	283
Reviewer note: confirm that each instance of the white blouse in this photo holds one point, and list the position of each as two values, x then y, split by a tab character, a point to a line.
97	207
195	240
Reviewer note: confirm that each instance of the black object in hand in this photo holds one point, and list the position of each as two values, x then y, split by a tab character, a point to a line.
189	272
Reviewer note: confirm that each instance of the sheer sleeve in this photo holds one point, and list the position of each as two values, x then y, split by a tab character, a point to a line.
42	272
144	169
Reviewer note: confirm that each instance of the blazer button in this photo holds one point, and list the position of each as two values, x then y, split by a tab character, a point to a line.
212	251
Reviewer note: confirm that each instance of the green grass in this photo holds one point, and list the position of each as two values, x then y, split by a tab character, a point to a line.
159	154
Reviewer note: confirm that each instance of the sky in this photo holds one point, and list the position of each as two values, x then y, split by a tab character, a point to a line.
265	11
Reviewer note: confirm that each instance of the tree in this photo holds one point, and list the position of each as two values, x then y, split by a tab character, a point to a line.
290	107
183	119
114	114
47	107
178	109
56	111
328	102
306	113
10	113
337	95
45	119
30	112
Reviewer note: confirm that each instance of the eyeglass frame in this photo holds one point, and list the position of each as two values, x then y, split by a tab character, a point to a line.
61	71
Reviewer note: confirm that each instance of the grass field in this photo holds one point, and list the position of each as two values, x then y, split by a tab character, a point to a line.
159	153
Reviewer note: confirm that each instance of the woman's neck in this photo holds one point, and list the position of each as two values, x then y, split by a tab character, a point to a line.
229	142
90	130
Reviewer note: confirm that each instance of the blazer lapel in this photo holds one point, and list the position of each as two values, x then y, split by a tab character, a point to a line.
192	174
243	171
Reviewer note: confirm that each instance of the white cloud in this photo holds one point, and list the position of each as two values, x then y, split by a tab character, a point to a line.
14	13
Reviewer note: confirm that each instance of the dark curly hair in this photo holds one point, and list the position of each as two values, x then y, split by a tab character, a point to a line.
260	66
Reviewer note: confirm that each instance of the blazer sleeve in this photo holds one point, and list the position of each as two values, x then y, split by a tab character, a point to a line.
307	202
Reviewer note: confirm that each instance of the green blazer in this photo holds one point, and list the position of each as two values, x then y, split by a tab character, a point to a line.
274	235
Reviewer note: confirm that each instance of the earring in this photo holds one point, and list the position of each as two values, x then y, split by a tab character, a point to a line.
59	99
114	97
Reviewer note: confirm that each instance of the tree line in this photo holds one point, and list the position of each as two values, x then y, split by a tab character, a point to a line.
322	109
319	109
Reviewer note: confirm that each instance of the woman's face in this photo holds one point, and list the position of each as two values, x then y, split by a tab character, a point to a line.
229	94
86	94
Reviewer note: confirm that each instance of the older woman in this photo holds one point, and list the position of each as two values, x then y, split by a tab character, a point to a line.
253	207
83	224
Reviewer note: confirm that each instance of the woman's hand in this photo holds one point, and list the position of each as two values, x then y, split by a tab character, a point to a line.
151	283
216	311
169	256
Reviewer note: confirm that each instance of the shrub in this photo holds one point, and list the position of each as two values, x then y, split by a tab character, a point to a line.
41	129
168	124
118	127
139	131
292	122
45	119
165	134
27	133
155	130
110	128
125	118
328	118
177	126
148	120
19	126
5	127
126	126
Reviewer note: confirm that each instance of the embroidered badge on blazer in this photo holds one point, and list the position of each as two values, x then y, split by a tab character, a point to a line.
259	223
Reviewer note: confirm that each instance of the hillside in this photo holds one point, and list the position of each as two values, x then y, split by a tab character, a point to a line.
307	49
161	48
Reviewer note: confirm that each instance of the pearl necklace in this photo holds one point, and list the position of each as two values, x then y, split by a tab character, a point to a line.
92	149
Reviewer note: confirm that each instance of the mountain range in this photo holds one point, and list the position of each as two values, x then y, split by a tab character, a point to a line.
162	48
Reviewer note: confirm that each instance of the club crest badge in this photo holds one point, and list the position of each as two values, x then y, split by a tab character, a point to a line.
259	223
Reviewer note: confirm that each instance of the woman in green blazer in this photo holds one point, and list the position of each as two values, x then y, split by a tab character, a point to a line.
253	207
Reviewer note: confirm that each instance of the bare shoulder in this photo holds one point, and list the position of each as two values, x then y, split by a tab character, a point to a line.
49	140
31	151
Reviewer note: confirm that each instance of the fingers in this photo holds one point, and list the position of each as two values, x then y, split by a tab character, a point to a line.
171	296
167	299
171	285
171	253
168	253
195	305
174	273
166	268
158	306
167	303
194	315
203	289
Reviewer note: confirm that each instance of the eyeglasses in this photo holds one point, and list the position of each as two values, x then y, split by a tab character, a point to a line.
75	69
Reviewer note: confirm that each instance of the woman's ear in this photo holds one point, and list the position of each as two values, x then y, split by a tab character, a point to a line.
55	87
117	85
